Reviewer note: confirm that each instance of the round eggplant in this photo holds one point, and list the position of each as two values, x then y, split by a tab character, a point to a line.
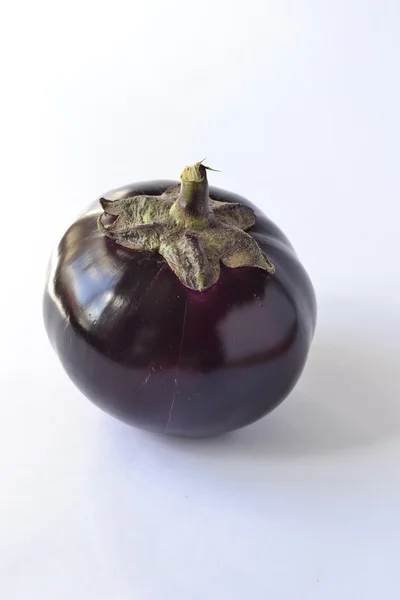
179	308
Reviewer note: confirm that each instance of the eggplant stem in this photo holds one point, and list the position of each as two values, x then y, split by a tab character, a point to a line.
193	233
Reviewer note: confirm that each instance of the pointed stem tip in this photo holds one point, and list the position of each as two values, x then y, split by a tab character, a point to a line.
196	173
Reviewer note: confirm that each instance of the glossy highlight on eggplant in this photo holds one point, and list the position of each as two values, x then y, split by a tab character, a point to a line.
157	355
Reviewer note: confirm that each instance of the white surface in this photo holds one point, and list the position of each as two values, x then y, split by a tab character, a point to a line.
298	103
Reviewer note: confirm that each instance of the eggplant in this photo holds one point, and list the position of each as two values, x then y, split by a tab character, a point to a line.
179	308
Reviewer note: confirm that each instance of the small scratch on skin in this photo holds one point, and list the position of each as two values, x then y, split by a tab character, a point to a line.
171	408
147	379
154	279
67	323
150	286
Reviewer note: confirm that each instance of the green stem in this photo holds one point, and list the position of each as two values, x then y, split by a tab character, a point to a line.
192	206
192	233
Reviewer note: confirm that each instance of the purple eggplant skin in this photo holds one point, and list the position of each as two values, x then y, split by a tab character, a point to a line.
159	356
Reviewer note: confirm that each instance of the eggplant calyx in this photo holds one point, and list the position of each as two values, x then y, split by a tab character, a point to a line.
192	232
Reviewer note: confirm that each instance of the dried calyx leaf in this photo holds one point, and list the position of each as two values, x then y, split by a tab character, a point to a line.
193	233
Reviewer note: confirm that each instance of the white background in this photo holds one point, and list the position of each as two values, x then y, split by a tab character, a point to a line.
297	102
